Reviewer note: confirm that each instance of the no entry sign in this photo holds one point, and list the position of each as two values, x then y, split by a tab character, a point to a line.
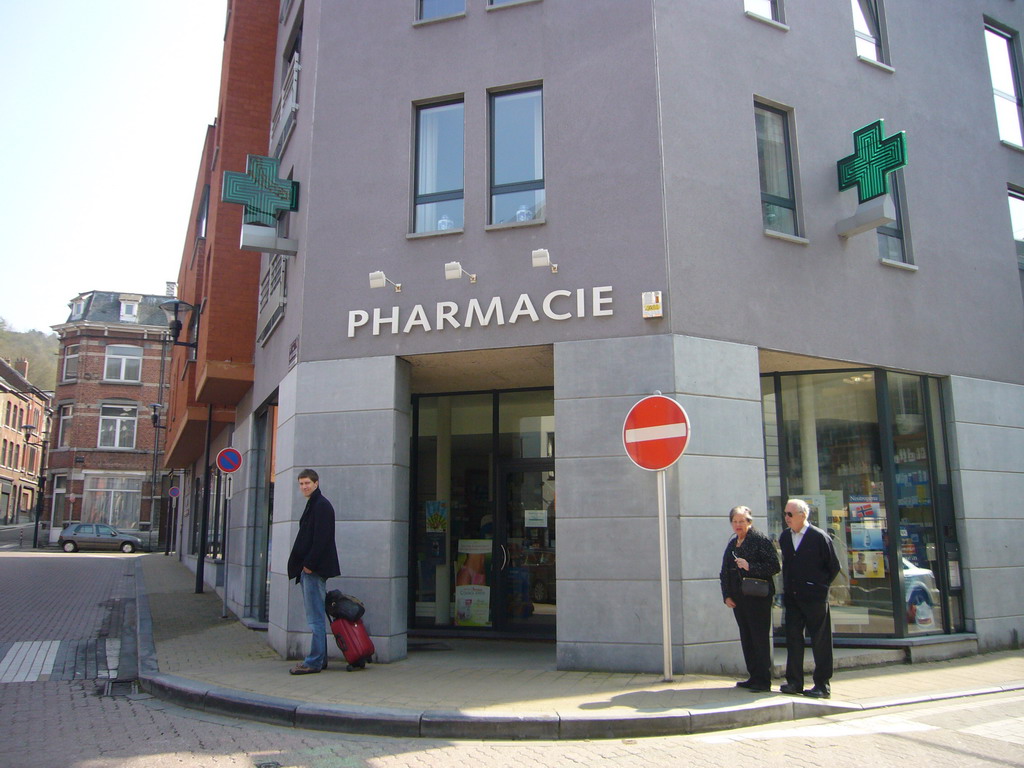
229	459
656	432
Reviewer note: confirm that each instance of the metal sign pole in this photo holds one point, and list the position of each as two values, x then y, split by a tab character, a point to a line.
666	604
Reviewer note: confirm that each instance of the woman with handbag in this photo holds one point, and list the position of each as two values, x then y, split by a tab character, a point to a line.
748	565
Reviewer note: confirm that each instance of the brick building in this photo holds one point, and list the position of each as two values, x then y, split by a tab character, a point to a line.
221	282
105	454
21	403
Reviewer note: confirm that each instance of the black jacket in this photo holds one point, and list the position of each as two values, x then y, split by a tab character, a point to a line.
759	552
808	571
314	546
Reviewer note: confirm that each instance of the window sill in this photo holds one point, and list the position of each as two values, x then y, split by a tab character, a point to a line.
503	6
515	225
786	237
438	20
765	20
1011	145
435	233
877	64
121	381
899	265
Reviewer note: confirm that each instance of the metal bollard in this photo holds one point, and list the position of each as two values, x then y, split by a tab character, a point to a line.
21	538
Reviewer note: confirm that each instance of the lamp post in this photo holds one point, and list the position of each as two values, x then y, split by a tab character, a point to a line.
28	429
172	308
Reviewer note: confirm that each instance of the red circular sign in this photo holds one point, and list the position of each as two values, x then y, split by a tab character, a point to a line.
656	432
229	459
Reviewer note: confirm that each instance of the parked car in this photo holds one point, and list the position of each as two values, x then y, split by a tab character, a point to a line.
96	536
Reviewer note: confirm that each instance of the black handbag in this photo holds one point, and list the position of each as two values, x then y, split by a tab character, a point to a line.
338	605
752	587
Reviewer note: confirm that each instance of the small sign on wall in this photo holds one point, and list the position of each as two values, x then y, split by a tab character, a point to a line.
652	304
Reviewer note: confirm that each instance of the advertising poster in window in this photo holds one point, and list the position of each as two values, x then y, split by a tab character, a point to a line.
472	593
867	564
865	508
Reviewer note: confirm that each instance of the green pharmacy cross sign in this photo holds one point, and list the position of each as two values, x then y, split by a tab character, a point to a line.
259	189
873	159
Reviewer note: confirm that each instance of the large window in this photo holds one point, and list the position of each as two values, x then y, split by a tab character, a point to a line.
123	363
867	30
866	450
1002	61
113	500
517	156
439	167
117	425
774	160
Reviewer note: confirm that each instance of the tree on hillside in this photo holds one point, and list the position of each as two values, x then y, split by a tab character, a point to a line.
40	349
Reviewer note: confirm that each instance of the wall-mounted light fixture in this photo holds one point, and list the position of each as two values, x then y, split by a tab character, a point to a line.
172	308
453	271
541	258
379	280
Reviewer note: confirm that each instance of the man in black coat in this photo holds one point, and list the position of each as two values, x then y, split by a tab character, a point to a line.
313	560
809	565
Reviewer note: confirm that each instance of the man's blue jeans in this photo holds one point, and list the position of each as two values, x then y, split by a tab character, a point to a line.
314	590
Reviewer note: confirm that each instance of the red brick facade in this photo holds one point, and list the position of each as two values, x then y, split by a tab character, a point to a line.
105	453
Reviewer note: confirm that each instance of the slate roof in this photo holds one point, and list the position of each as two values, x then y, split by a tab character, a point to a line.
105	307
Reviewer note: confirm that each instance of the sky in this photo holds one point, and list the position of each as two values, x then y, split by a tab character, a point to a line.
105	109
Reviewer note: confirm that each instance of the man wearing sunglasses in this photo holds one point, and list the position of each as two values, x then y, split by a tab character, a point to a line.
809	565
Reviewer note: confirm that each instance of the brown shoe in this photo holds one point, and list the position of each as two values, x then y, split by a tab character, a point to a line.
302	669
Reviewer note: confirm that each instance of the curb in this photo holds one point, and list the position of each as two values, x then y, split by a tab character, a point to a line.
453	724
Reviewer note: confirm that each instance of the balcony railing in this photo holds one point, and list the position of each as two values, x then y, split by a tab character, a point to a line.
287	108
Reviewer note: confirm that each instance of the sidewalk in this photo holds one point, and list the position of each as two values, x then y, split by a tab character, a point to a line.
486	689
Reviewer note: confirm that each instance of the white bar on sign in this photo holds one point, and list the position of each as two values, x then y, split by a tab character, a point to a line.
643	434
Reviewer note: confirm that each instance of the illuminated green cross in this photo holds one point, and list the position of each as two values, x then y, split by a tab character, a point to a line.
259	189
873	159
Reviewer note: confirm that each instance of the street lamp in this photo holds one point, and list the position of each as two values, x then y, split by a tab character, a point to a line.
172	308
28	429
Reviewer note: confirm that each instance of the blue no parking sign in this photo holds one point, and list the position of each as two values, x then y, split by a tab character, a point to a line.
229	460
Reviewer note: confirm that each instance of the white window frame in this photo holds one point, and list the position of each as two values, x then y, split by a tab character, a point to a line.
129	311
69	371
1008	67
66	412
121	428
119	505
122	360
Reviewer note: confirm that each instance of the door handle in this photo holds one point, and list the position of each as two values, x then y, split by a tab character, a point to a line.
504	557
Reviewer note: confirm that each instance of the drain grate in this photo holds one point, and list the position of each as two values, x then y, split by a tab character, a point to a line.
119	688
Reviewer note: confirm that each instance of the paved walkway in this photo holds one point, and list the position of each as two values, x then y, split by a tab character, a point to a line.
487	689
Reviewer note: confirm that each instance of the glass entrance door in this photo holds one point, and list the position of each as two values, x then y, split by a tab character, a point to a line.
524	552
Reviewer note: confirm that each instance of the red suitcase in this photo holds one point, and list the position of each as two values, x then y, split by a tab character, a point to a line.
353	641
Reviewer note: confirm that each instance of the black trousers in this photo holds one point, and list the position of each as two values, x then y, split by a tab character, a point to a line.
808	617
754	619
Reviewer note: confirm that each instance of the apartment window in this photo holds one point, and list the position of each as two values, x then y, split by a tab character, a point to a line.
867	29
1002	61
123	363
891	242
117	425
437	9
129	311
774	159
7	414
766	9
3	455
17	457
64	426
70	370
77	308
517	156
439	167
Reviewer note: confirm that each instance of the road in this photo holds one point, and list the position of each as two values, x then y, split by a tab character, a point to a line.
71	716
